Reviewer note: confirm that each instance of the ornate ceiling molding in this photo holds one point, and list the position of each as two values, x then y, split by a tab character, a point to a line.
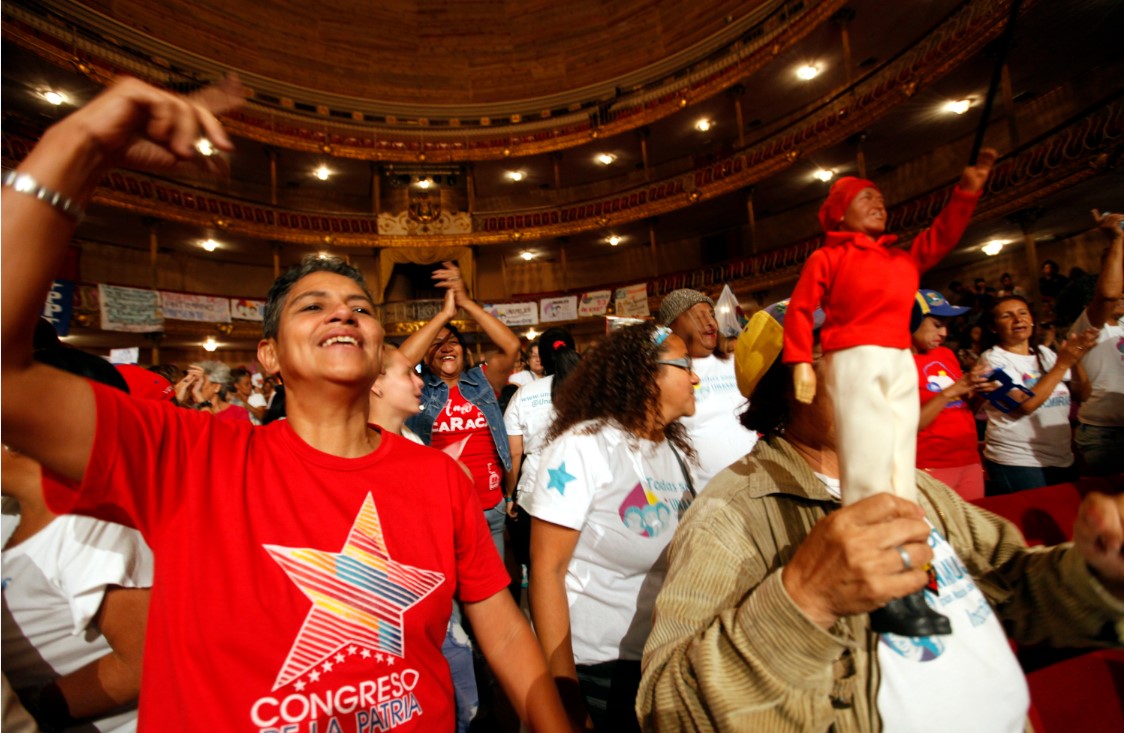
851	111
71	36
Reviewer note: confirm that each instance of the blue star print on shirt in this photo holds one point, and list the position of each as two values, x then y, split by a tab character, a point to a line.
559	478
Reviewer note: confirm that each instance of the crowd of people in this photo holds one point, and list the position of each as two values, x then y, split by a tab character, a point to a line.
696	557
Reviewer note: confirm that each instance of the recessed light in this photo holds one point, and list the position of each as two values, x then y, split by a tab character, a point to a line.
205	147
958	106
614	240
704	125
516	175
993	247
606	158
824	175
210	344
807	72
532	334
209	244
528	256
53	97
322	172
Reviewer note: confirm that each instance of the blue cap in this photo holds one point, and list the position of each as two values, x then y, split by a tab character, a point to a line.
932	303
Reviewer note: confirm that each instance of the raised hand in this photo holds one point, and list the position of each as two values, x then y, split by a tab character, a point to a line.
449	276
975	176
1098	534
135	125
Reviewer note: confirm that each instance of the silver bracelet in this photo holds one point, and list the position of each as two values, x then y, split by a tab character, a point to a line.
24	183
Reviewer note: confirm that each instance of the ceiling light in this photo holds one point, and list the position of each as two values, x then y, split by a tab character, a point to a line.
605	158
824	175
322	172
55	98
993	247
958	106
209	244
614	240
807	72
205	147
210	344
703	125
528	256
532	334
516	175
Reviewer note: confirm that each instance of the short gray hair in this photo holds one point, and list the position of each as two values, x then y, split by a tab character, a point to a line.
217	372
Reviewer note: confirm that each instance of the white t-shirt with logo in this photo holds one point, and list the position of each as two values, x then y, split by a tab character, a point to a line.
626	496
1104	365
54	584
966	681
1039	439
529	414
716	433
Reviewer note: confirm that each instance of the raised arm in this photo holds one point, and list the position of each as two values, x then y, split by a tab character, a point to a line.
500	365
415	346
47	414
1110	283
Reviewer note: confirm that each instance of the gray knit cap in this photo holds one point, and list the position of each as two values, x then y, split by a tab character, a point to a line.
677	301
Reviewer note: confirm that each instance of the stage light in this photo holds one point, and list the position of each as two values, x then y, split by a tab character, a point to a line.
528	256
53	97
704	125
210	344
516	175
614	240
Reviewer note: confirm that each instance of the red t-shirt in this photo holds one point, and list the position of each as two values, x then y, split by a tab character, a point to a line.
950	440
461	430
294	590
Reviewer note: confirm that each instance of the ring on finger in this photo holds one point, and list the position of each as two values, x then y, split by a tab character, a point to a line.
907	562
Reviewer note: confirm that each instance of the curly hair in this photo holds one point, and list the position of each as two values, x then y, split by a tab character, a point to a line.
616	383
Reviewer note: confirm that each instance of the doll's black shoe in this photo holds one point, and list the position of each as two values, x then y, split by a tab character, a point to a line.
910	616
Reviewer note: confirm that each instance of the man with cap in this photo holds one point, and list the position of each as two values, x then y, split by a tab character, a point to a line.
866	287
761	623
715	431
946	432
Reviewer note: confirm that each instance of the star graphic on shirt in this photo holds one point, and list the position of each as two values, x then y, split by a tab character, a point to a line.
559	478
359	596
299	685
339	658
327	666
378	658
352	649
366	653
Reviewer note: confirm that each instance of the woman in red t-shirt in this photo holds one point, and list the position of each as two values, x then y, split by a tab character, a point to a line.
460	409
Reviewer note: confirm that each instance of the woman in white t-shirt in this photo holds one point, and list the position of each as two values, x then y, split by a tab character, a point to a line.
1029	446
609	491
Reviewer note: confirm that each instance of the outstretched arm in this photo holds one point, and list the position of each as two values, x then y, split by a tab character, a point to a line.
47	414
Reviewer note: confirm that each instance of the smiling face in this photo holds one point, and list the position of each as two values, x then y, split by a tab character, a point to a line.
1013	323
327	331
866	214
676	384
445	356
698	328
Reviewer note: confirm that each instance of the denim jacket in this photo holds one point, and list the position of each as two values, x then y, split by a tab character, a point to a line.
475	388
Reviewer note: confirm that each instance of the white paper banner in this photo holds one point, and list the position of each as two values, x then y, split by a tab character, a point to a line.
553	310
184	307
247	310
632	301
515	314
594	304
124	356
129	309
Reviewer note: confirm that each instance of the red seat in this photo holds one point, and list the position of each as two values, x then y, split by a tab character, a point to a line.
1084	694
1045	515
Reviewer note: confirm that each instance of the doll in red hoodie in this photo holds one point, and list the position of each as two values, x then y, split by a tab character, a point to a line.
867	286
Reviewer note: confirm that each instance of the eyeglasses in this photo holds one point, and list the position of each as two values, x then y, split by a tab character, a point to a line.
683	362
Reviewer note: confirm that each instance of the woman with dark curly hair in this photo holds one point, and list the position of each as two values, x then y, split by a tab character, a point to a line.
609	492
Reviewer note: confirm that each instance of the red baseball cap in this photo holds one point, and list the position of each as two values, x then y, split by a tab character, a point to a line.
146	385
